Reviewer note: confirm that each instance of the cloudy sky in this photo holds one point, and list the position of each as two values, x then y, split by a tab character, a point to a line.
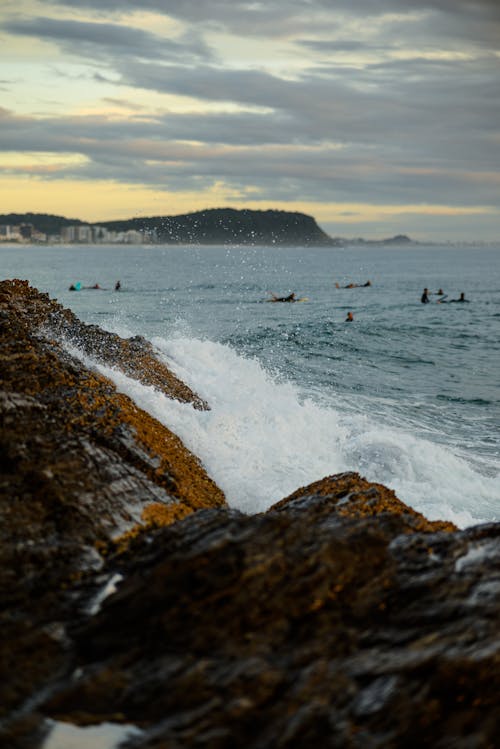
375	116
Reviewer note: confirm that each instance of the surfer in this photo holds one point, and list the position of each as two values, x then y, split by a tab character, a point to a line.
354	285
425	296
442	296
454	301
289	298
461	299
350	317
118	286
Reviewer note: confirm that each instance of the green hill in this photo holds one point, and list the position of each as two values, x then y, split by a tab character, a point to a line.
213	226
44	222
229	226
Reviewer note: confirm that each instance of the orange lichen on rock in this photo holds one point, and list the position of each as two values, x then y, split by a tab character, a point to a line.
353	496
79	464
155	515
147	368
178	470
83	403
135	357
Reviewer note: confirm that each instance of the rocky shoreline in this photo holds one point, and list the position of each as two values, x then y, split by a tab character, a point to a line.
133	595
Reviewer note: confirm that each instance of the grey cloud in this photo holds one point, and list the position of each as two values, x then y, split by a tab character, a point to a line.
476	20
423	109
414	108
109	40
134	152
279	175
209	83
415	105
205	9
341	45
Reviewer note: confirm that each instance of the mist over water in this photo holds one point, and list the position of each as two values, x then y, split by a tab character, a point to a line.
407	394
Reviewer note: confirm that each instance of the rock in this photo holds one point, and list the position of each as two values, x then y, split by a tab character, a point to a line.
303	626
134	356
355	497
80	463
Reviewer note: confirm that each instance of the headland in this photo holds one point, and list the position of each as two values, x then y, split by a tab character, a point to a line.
226	226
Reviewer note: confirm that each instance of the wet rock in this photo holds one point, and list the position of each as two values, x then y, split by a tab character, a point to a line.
299	627
355	497
79	464
134	356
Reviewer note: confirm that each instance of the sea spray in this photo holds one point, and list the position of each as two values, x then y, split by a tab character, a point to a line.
263	438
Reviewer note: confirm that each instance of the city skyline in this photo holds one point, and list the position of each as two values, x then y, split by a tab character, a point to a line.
377	118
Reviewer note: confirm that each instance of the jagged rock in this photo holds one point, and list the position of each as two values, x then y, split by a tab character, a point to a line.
299	627
355	497
79	464
134	356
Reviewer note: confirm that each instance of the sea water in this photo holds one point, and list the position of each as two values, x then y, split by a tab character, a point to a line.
407	394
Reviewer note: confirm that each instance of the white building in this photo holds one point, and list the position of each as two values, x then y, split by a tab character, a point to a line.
77	233
9	233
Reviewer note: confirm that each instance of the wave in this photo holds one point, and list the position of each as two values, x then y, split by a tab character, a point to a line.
263	438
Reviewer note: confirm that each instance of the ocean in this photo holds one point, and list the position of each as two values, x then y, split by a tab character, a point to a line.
407	394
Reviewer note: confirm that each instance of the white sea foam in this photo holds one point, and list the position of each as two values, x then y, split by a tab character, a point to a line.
262	438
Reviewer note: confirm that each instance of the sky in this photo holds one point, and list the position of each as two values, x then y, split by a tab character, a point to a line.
377	117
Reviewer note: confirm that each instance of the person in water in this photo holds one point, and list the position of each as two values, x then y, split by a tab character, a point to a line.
455	301
425	296
350	317
118	286
354	285
289	298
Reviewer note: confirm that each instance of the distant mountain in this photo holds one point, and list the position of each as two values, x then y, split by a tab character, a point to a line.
399	239
213	226
230	226
44	222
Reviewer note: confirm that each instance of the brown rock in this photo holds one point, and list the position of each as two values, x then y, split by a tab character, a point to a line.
79	464
355	497
136	357
299	627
